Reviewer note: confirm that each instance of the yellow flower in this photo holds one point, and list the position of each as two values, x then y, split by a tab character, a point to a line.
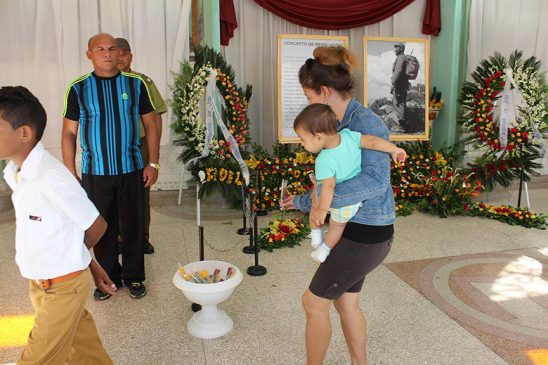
303	158
252	162
223	174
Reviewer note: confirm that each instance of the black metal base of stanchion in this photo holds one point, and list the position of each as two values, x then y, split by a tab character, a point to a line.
256	270
249	250
243	231
261	212
196	307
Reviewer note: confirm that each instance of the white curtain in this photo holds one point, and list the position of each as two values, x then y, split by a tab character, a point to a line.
253	55
507	25
43	44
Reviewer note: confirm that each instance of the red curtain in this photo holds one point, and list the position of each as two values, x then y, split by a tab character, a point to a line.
432	18
228	21
334	14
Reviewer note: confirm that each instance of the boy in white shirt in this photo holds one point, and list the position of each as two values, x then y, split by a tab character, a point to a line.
56	225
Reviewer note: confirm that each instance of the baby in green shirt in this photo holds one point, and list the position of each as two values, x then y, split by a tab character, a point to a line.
338	160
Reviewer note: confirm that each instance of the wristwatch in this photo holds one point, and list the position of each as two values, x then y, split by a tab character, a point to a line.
155	165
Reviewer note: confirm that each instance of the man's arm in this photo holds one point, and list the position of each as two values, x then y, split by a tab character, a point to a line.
101	278
91	236
159	104
94	233
68	144
158	118
150	174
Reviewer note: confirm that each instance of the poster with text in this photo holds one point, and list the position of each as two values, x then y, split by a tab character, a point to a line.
293	51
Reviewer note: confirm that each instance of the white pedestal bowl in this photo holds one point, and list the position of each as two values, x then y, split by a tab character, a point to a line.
210	322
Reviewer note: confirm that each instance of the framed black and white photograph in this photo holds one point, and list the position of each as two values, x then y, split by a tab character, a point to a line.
396	84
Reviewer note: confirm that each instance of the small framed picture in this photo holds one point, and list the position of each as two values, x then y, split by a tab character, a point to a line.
396	84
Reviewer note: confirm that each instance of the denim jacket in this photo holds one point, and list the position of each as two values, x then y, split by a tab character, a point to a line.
372	186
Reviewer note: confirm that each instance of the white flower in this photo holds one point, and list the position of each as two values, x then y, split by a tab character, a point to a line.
201	175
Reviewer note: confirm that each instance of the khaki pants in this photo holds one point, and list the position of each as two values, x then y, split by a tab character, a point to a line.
63	331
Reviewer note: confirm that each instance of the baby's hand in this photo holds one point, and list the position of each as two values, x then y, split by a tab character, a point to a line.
313	179
398	155
317	217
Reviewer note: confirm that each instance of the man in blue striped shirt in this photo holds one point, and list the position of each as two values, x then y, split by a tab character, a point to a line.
106	106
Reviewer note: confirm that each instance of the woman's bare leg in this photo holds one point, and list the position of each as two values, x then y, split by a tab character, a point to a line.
318	327
353	326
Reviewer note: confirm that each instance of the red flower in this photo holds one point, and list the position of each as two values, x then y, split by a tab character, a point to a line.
284	228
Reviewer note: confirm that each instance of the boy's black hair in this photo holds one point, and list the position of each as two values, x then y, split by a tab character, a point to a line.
18	106
317	118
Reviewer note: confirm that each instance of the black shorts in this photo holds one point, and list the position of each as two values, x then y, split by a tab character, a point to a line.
345	268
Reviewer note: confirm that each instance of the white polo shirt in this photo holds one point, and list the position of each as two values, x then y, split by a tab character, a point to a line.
52	212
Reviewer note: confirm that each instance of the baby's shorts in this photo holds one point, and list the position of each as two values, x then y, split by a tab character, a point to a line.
344	214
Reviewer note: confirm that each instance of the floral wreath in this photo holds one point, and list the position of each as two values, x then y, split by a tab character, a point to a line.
283	232
189	88
497	163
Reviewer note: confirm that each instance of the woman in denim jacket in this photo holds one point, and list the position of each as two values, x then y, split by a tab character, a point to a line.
367	238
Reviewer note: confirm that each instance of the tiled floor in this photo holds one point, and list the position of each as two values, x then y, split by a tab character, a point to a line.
453	291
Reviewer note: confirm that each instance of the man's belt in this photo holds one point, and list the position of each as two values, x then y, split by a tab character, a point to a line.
47	283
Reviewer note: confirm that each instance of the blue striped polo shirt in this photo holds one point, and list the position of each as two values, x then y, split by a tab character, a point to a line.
108	110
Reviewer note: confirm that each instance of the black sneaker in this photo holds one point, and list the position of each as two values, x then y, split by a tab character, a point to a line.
99	295
149	249
137	289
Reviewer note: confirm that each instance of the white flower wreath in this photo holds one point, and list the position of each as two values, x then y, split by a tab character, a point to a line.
189	108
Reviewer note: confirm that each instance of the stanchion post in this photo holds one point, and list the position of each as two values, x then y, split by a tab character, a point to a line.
201	235
252	232
520	187
250	248
256	270
244	231
520	179
260	211
197	307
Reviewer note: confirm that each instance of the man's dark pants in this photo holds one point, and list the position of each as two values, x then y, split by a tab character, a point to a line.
119	199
